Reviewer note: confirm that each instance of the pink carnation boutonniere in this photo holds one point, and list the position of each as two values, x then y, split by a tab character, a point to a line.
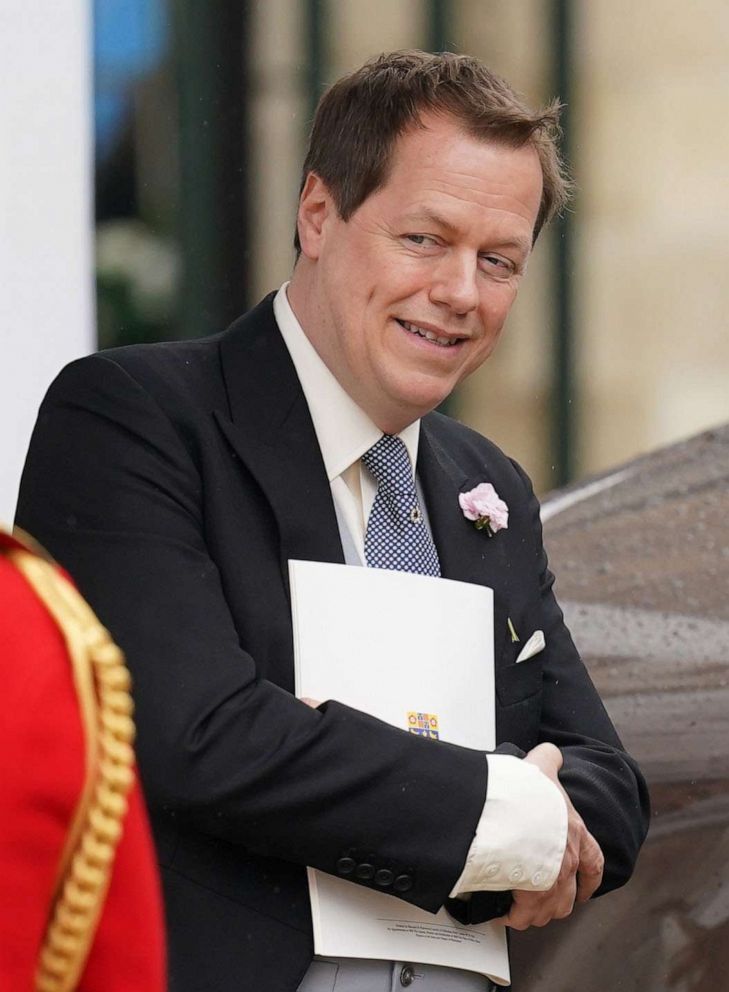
485	507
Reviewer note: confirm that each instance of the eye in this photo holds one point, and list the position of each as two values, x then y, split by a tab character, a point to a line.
422	240
502	267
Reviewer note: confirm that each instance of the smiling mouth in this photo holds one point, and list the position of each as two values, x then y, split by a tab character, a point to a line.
422	332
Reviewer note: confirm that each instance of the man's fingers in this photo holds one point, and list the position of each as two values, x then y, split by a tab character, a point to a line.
536	909
586	885
579	876
582	865
590	869
548	759
310	702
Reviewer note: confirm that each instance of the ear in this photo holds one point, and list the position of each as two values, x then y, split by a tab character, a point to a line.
315	208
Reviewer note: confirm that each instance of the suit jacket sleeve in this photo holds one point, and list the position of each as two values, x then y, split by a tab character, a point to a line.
113	488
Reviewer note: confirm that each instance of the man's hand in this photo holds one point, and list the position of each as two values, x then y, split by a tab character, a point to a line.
582	864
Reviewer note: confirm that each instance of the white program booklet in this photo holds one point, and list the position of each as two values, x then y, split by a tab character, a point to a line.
417	652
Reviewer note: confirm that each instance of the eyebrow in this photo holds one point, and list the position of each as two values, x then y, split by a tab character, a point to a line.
523	245
431	217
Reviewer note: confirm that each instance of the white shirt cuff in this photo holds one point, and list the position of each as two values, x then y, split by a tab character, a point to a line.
521	836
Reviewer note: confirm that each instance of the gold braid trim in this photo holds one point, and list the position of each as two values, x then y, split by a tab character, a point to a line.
102	685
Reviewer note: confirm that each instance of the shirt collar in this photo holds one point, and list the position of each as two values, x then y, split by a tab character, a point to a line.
343	429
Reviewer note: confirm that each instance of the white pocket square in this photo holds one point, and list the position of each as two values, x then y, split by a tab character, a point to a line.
534	645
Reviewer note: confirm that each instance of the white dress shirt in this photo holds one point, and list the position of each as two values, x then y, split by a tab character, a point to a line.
520	839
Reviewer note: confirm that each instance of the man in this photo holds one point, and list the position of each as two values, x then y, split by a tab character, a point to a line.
178	480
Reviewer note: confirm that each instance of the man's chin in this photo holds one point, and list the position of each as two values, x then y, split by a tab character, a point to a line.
405	410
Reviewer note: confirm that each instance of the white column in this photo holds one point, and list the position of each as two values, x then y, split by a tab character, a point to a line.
46	226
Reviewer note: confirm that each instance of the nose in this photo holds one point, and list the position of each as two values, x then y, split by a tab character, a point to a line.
454	282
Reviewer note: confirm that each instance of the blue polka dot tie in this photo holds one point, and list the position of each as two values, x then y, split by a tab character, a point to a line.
397	536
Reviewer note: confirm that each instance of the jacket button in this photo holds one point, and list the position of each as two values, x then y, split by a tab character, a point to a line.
365	871
407	976
402	883
345	866
384	878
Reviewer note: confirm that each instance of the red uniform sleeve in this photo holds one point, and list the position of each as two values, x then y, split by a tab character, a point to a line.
42	769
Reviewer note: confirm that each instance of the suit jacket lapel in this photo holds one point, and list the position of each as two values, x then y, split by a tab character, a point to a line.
269	426
465	553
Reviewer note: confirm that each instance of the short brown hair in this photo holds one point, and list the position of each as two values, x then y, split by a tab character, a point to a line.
361	116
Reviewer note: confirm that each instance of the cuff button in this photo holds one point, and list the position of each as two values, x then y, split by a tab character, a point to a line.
384	878
403	883
345	866
365	871
516	875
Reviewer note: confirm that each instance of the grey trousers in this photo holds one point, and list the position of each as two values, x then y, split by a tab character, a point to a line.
356	975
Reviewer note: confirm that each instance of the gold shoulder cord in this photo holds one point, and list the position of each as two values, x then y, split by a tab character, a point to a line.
102	686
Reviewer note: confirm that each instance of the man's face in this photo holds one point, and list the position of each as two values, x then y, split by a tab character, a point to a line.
409	295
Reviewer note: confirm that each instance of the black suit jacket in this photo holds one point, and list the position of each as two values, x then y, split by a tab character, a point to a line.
175	481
